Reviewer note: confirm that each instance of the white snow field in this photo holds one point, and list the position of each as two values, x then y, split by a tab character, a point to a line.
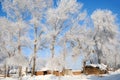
111	76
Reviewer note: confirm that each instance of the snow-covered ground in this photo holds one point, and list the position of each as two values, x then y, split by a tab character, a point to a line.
111	76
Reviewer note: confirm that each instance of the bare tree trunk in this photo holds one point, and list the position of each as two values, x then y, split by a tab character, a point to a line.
98	52
84	64
65	51
115	61
26	70
8	75
20	71
19	51
8	70
5	71
33	69
64	56
52	47
35	51
19	44
52	50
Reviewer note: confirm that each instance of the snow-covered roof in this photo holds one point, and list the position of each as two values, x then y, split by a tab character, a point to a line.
55	68
101	66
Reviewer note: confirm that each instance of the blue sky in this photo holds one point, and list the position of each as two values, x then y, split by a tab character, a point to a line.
1	11
91	5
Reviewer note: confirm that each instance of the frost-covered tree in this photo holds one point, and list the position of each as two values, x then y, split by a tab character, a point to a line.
81	43
105	33
15	13
21	11
37	9
8	45
58	20
73	31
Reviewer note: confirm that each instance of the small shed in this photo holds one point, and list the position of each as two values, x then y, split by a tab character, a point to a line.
67	71
95	69
76	72
42	72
